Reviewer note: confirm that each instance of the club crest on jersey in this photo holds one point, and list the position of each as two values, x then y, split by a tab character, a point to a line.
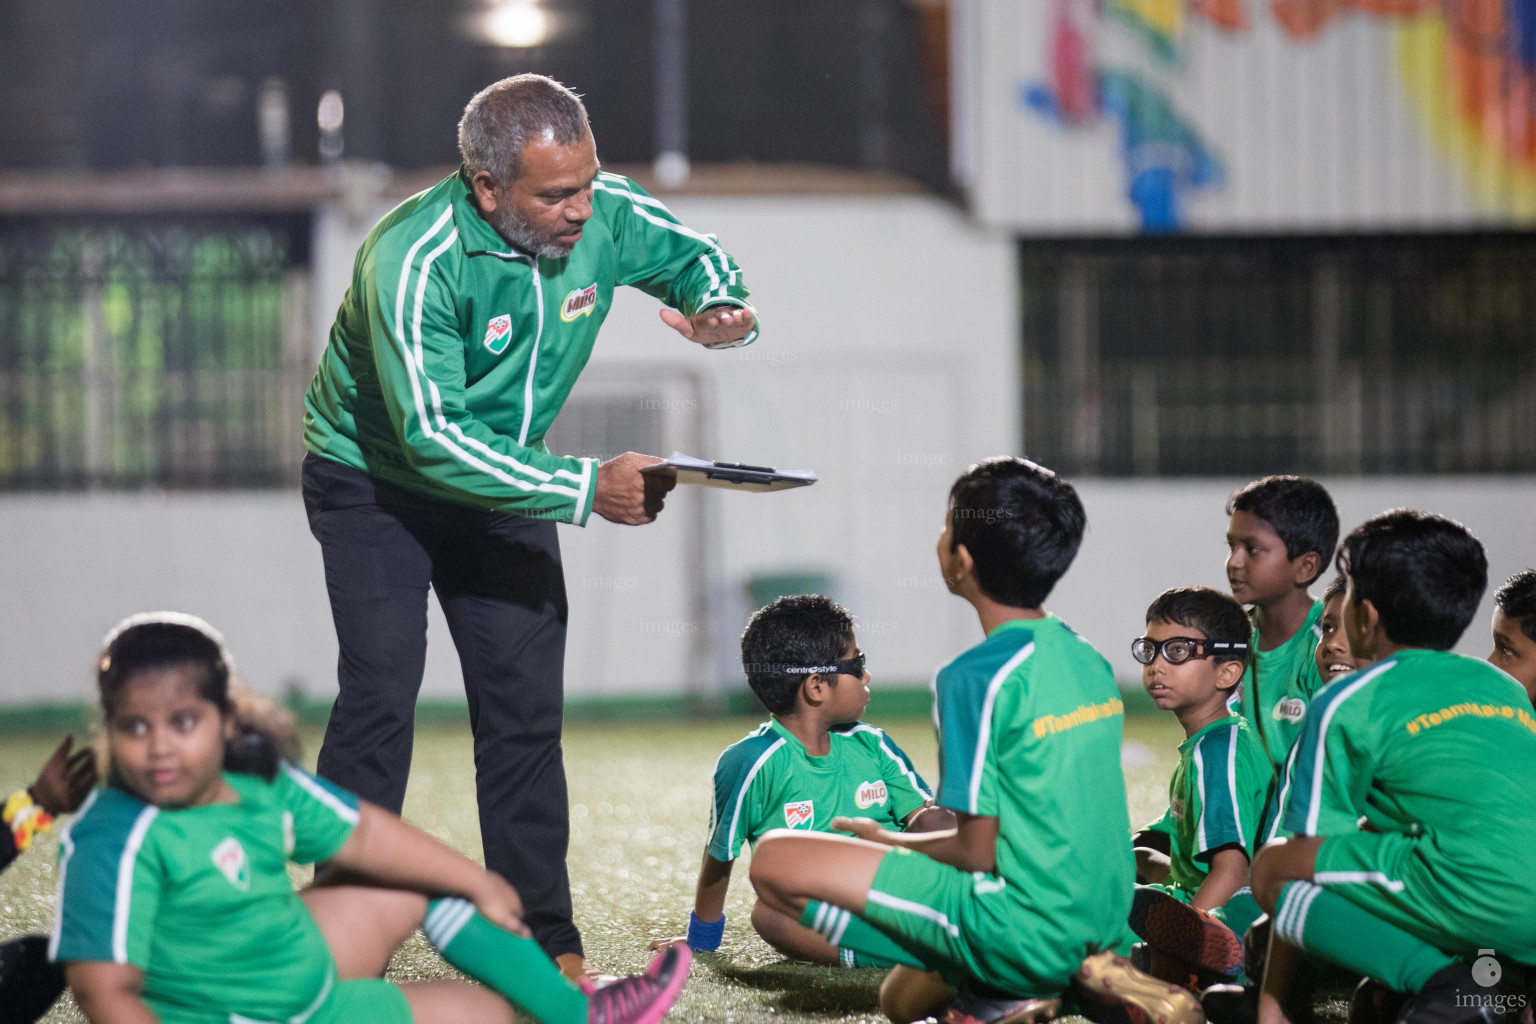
1291	709
579	303
229	857
870	794
798	813
498	333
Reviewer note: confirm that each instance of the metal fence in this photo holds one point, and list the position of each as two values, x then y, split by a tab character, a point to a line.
139	352
1195	357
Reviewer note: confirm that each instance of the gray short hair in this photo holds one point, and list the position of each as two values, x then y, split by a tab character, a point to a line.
501	119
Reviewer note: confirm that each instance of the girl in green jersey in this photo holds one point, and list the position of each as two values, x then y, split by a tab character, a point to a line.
175	903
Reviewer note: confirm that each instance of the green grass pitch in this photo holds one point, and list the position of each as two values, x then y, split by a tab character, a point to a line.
639	811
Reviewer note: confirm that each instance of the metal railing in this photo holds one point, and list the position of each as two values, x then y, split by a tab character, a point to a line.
1252	356
143	352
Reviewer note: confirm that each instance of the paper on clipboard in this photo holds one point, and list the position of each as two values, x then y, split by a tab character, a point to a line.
732	475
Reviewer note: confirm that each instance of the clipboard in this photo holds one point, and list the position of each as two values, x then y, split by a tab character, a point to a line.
734	476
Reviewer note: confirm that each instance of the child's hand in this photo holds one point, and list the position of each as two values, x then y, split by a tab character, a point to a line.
931	818
656	944
499	904
864	828
65	779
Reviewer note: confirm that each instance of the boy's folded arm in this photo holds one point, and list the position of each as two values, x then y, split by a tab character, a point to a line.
109	993
970	846
1228	873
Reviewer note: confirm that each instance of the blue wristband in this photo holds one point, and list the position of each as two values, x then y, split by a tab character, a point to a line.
705	936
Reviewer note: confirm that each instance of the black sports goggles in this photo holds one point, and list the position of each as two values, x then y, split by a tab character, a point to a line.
853	666
1178	649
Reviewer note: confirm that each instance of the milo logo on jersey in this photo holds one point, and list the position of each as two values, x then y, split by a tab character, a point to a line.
1291	709
799	813
579	303
229	857
870	794
498	333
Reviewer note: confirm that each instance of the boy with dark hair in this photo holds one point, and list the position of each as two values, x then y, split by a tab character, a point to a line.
1281	533
1192	916
809	764
1409	793
1514	629
1333	656
1036	876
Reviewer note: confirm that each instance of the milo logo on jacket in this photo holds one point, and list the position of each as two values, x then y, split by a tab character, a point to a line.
579	303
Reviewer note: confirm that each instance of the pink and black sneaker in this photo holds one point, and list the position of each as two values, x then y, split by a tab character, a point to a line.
640	998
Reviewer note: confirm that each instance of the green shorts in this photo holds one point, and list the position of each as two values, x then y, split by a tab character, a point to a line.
970	926
1388	875
364	1001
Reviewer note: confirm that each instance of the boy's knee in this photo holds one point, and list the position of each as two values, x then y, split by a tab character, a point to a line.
908	995
1278	862
766	855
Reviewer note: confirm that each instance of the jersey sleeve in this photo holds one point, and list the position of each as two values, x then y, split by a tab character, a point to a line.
907	789
110	884
1333	761
1224	813
967	777
323	814
663	258
418	350
736	815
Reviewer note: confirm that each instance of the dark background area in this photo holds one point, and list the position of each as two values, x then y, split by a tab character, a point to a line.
103	84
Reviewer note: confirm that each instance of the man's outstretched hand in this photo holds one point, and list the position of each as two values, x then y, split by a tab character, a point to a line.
627	496
717	325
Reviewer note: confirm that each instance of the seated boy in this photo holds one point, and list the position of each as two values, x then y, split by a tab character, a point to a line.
1333	656
1514	629
1036	876
1409	794
1192	656
1281	532
1280	536
812	762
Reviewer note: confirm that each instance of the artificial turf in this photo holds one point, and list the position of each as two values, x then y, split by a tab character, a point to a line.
639	813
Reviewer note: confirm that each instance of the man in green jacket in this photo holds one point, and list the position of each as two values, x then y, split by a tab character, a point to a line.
472	310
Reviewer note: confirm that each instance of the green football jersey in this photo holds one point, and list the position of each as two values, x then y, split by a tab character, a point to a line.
1030	723
1278	684
452	352
200	900
1216	797
768	781
1438	747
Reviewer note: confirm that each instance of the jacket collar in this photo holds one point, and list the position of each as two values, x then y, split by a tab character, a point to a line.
475	234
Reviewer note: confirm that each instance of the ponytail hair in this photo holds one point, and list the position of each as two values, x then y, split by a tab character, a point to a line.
150	641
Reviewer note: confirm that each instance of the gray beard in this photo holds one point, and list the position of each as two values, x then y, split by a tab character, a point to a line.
525	237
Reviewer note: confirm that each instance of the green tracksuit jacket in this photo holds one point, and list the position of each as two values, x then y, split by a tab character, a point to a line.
453	352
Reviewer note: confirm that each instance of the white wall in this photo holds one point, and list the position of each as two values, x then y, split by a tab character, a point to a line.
887	363
73	566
